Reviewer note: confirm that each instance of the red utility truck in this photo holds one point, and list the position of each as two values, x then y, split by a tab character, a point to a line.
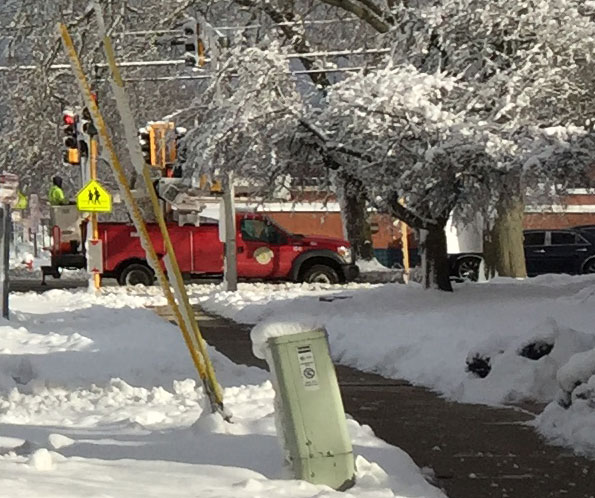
265	251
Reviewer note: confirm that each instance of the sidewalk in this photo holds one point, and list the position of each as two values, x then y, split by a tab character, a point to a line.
475	451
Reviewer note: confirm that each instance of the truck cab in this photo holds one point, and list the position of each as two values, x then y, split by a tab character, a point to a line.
265	251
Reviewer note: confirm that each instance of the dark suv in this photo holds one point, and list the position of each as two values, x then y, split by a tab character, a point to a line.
560	251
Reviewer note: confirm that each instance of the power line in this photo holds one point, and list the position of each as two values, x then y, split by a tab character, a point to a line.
101	65
220	28
287	23
179	62
184	77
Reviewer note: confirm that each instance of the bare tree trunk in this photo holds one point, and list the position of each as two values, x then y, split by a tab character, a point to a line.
436	270
355	218
503	245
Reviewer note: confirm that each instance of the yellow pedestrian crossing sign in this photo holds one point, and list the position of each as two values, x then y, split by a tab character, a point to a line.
93	198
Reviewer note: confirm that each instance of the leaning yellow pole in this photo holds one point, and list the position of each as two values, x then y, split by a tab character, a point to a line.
94	224
405	247
213	392
138	162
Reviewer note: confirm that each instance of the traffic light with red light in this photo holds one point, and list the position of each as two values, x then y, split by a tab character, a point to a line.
70	151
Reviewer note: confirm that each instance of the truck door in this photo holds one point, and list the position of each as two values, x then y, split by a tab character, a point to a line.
181	239
207	250
258	244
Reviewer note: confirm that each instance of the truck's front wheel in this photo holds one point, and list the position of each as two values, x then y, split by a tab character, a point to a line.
135	274
321	274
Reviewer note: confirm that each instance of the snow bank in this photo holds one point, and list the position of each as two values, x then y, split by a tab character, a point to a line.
570	420
427	337
577	371
519	370
371	265
97	395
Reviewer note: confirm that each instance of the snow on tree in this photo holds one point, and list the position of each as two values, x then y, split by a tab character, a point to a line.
530	65
246	118
400	132
31	100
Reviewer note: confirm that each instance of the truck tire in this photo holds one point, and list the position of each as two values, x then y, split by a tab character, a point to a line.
321	274
135	274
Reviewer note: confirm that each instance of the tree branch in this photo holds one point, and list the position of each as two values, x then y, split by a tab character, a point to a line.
361	9
409	217
297	38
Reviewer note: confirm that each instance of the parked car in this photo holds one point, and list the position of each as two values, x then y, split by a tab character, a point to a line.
559	251
585	228
465	266
569	251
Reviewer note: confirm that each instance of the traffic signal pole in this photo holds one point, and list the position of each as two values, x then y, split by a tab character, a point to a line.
96	277
5	256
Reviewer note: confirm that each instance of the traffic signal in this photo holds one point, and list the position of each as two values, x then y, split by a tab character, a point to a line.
177	153
83	127
181	150
213	186
70	151
193	45
86	125
144	139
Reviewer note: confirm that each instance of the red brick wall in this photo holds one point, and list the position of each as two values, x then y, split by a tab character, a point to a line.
330	225
324	224
558	220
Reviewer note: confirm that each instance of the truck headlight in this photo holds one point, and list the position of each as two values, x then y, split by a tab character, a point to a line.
345	253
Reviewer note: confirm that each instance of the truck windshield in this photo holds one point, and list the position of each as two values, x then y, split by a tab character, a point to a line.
261	231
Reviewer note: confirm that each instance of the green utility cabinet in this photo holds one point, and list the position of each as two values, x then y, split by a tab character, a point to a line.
309	409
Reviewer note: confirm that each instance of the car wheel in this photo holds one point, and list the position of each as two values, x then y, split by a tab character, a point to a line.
589	266
135	274
321	274
468	269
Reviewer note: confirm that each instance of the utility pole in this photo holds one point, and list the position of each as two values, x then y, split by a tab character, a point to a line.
9	184
4	260
215	41
230	269
178	299
35	218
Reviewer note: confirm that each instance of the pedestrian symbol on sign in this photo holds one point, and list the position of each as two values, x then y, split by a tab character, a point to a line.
94	198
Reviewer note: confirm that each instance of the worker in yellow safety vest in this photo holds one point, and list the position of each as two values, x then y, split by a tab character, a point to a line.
56	194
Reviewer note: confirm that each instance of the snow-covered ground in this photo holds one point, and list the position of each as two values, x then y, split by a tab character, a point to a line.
428	337
97	399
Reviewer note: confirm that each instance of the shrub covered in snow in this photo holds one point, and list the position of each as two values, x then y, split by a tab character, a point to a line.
577	380
531	362
570	420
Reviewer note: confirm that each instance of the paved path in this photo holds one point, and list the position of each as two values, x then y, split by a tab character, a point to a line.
474	450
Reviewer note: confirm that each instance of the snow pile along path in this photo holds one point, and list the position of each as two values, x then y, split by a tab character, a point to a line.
500	342
98	399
